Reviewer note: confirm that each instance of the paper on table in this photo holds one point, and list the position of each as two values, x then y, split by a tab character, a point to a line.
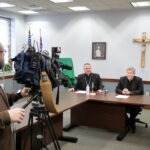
81	92
93	94
84	92
122	96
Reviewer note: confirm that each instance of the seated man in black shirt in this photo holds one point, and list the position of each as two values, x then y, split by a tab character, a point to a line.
89	78
131	85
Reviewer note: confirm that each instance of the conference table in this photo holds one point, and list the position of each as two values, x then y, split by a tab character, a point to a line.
100	111
106	111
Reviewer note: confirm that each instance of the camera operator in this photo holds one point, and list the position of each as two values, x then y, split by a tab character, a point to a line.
8	115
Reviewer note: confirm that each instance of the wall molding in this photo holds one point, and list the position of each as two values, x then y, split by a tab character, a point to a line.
117	80
103	79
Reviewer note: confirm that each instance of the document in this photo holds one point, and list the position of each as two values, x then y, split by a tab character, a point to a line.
84	92
122	96
81	92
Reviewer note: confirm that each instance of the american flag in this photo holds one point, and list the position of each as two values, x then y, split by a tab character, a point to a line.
29	37
41	43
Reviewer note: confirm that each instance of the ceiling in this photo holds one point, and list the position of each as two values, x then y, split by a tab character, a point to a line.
51	8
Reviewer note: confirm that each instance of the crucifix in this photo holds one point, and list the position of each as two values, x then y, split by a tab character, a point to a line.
144	40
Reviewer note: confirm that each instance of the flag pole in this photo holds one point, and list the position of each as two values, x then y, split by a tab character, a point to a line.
41	43
29	37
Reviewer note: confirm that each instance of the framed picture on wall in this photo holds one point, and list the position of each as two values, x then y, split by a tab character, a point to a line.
99	50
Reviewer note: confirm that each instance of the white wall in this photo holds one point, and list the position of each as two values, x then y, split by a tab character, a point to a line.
18	30
76	32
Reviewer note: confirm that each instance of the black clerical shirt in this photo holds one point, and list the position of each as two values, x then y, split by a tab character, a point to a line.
93	80
135	86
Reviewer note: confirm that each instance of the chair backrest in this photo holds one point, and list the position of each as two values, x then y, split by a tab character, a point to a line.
70	73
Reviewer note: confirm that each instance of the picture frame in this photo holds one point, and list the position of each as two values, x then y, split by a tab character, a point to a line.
99	50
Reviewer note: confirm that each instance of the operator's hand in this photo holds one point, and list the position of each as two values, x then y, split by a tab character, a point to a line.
25	92
16	114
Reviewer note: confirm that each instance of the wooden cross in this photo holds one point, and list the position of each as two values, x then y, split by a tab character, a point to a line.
143	41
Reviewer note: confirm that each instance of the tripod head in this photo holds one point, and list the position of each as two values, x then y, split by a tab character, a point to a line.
32	99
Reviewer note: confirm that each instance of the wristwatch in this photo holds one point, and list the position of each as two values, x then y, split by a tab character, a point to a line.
19	93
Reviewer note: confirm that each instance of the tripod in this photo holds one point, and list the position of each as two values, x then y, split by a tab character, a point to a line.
42	116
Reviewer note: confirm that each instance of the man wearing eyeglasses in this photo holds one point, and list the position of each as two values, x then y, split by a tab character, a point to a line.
8	115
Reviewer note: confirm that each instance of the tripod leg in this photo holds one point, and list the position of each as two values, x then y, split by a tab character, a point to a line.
31	135
29	129
39	143
51	130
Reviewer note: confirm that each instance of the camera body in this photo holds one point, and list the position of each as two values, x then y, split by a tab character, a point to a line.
29	64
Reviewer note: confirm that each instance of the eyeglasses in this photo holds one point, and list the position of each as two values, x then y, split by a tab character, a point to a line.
2	51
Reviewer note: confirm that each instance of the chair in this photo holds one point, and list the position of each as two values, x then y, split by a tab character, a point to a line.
70	73
137	120
132	123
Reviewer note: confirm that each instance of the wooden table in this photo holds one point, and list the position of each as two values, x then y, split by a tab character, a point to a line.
106	111
102	111
23	134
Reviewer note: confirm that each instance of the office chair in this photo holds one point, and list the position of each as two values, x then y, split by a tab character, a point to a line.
132	124
137	120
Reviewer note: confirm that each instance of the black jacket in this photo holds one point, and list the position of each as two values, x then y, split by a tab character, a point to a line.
136	85
95	80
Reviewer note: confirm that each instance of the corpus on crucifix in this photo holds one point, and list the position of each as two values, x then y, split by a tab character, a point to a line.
144	40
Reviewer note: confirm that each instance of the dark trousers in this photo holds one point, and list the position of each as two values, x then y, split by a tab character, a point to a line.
133	111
